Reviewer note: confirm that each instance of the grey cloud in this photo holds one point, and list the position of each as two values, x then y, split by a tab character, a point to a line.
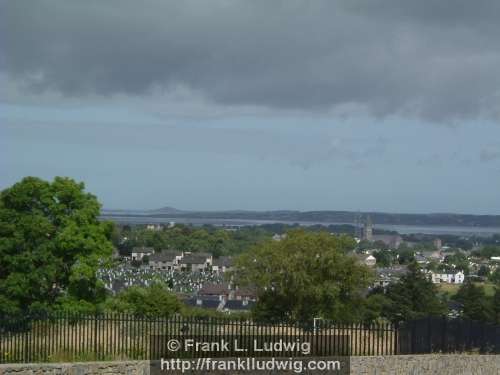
489	154
438	60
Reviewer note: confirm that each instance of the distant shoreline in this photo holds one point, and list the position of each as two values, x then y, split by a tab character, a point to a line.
138	219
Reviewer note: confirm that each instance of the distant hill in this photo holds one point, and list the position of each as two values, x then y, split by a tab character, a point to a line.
442	219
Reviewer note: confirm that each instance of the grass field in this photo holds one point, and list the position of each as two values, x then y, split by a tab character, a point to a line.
452	289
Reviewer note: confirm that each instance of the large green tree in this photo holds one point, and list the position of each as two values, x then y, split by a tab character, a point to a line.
475	304
413	296
154	300
51	244
303	276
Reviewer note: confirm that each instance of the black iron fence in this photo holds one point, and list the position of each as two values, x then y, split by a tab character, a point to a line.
443	335
77	337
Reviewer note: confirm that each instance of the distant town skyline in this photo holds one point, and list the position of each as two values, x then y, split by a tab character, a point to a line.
256	105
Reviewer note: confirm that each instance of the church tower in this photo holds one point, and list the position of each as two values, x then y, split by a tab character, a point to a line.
368	229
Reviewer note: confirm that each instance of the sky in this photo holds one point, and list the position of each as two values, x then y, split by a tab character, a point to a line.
375	105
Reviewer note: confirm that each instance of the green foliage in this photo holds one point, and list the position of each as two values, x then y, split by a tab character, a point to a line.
385	258
155	300
374	306
51	244
414	296
483	271
456	262
488	251
405	254
476	305
495	276
303	276
181	237
496	305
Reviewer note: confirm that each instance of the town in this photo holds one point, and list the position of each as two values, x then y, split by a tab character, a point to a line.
204	280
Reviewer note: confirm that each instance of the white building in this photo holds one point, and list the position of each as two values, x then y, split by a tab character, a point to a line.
165	260
450	278
140	252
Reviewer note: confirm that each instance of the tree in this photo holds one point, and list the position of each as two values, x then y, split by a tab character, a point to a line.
412	297
405	255
51	244
495	276
155	300
303	276
385	258
496	305
475	304
483	271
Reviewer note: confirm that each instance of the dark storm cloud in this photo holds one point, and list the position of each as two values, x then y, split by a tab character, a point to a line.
439	59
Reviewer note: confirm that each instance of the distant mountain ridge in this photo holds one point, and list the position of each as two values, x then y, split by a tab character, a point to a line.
321	216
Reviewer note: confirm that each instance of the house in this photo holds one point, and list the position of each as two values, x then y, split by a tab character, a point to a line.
219	291
367	259
450	278
205	302
238	306
140	252
279	237
245	294
420	259
436	256
386	276
165	260
195	262
222	264
154	227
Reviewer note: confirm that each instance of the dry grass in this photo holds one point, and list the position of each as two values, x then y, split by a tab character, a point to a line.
130	339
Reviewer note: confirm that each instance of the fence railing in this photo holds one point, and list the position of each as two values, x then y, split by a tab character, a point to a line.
76	337
440	334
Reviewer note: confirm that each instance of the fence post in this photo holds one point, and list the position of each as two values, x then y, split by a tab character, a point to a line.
396	338
95	335
429	334
444	333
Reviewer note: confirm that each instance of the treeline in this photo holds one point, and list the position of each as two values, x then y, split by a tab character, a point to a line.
339	217
208	238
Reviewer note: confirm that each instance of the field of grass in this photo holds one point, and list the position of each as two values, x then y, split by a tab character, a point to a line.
452	289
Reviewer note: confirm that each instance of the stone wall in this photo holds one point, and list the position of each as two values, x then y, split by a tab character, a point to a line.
377	365
445	364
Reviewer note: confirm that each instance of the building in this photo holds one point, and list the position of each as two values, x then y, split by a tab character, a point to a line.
245	294
389	275
222	264
438	244
279	237
154	227
232	306
368	230
221	291
367	259
420	259
435	256
450	278
140	252
205	302
195	262
165	260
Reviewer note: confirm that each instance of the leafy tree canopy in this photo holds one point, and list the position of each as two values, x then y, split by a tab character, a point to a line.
303	276
155	300
476	305
413	297
51	244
